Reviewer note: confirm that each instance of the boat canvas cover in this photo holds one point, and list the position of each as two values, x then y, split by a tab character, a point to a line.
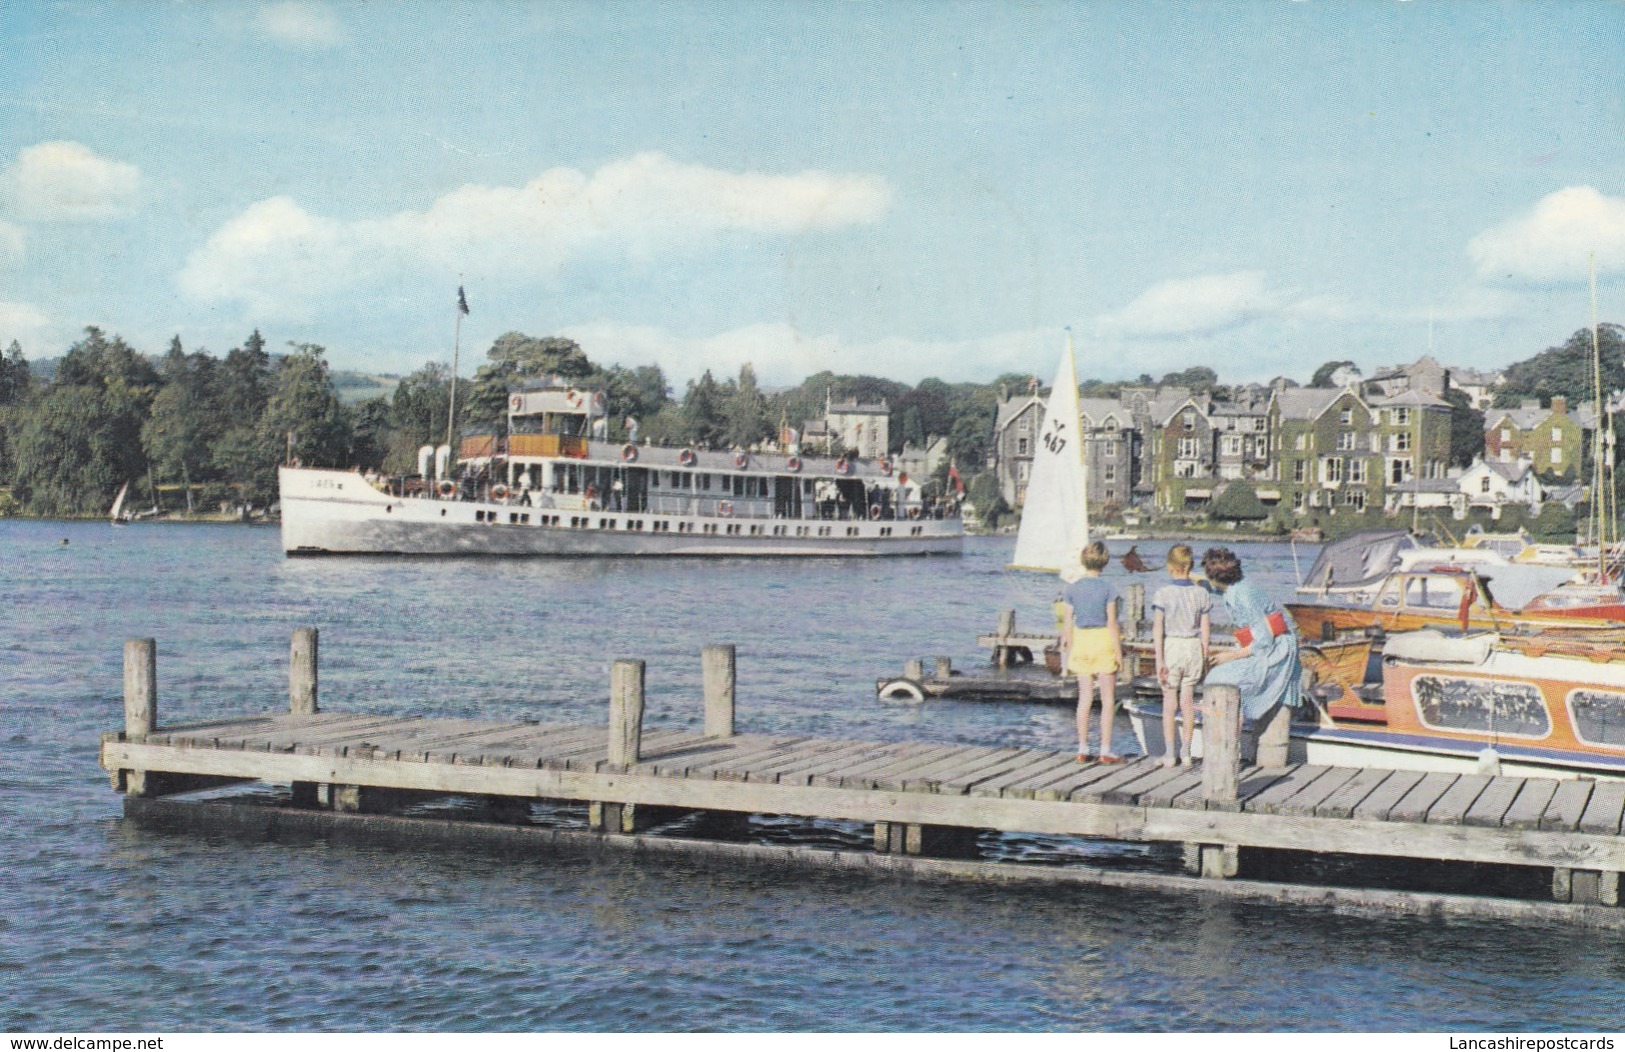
1362	558
1515	585
1431	645
1055	518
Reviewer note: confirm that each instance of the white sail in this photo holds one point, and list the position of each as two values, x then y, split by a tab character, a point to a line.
117	514
1055	517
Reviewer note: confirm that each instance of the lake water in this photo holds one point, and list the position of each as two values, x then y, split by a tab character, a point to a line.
104	927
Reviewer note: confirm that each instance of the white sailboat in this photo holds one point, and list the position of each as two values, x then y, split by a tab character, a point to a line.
1055	515
118	515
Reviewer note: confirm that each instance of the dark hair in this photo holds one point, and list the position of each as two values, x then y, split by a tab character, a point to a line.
1221	566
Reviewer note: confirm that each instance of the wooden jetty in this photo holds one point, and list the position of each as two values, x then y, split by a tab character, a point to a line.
922	798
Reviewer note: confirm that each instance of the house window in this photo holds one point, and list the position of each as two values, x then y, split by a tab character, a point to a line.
1232	445
1399	469
1557	456
1260	424
1357	471
1400	442
1506	434
1331	469
1346	440
1400	415
1111	495
1354	498
1109	448
1187	449
1557	434
1021	447
1345	415
1484	484
1108	473
1301	442
1299	470
1297	501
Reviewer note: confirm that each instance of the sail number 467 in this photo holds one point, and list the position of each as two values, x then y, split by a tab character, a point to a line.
1054	440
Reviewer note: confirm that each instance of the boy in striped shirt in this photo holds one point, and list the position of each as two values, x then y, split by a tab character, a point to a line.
1180	628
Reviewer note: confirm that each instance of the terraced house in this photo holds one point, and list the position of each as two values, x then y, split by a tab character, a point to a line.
1336	450
1550	437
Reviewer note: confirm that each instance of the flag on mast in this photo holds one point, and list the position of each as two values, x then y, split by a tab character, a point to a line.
462	301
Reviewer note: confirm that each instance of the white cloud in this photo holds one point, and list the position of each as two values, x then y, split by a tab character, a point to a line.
299	24
11	243
24	323
1552	242
68	181
276	255
1195	306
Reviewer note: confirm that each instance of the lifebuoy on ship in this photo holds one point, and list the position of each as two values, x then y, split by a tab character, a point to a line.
874	511
516	402
914	512
842	467
885	467
629	452
572	397
499	491
741	460
687	458
446	487
794	464
725	508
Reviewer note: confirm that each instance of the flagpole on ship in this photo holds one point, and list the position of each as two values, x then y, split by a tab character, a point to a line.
456	346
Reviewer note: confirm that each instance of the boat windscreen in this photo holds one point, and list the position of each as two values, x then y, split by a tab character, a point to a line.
1358	559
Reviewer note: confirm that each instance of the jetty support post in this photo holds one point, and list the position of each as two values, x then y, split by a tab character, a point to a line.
717	673
1134	611
302	700
1589	886
302	662
914	669
912	838
1274	738
1001	644
625	742
945	668
1221	776
140	707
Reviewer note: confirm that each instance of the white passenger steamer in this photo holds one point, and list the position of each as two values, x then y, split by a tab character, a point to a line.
550	488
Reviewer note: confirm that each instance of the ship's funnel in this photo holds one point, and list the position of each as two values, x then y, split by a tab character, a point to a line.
442	457
425	458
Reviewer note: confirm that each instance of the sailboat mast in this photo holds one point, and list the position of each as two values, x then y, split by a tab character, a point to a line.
1600	502
1077	424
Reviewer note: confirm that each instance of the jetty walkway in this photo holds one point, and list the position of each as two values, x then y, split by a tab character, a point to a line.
922	798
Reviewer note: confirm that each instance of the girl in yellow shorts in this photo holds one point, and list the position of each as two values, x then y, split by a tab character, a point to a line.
1092	649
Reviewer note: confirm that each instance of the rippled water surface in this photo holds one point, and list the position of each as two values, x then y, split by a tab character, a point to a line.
106	927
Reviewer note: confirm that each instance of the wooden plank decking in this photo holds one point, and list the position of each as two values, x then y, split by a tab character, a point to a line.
920	797
1528	821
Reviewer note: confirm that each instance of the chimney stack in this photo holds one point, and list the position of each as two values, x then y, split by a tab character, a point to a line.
1560	405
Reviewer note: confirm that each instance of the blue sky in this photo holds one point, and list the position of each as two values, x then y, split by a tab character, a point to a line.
906	189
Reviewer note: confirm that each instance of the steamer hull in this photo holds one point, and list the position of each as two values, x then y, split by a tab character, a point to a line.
340	513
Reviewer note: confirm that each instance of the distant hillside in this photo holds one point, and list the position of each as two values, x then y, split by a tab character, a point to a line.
353	387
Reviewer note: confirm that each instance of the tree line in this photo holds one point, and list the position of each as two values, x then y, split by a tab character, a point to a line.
213	429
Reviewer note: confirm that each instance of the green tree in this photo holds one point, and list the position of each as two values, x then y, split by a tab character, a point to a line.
1323	375
417	417
746	410
243	384
304	416
1466	429
1567	370
513	359
1197	378
704	421
73	447
969	440
369	421
14	375
1238	502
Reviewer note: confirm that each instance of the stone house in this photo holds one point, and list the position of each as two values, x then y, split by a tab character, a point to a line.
1551	438
1495	483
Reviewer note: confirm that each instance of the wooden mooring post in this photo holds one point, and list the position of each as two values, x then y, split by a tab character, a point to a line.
1221	776
302	661
717	675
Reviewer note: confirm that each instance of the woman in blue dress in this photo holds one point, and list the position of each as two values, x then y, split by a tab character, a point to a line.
1265	669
